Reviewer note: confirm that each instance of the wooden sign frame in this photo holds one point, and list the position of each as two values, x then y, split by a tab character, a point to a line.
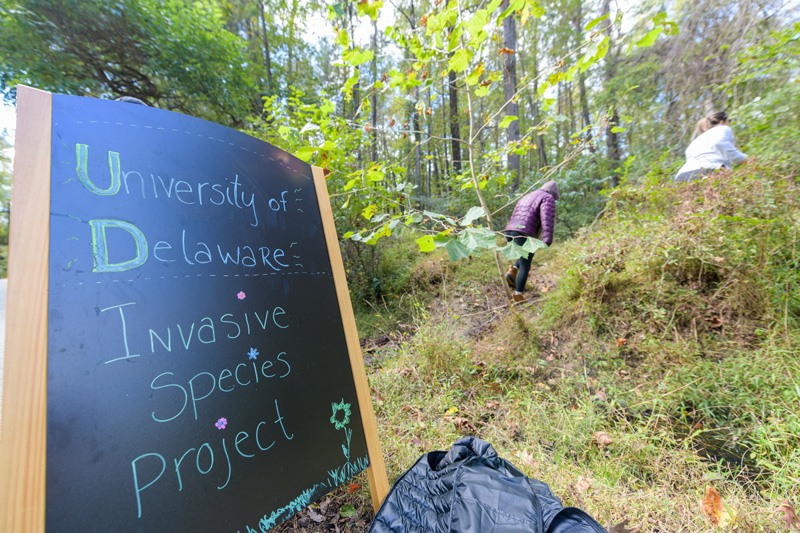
24	422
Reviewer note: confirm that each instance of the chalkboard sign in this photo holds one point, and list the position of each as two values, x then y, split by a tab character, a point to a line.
199	372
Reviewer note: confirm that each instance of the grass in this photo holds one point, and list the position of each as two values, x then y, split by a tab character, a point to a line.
672	328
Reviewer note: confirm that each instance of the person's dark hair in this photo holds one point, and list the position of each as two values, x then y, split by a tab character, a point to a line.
709	121
716	118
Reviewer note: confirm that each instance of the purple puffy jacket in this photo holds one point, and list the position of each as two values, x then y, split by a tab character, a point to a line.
535	215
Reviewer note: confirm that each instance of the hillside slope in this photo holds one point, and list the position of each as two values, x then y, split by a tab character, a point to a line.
656	358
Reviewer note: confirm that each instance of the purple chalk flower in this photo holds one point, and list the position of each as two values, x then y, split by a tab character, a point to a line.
221	423
240	295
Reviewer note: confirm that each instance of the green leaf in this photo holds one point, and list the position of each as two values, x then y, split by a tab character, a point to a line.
477	22
475	77
479	238
305	152
456	250
618	129
482	91
650	38
349	84
516	5
356	56
369	211
460	60
472	215
426	243
506	122
347	510
596	21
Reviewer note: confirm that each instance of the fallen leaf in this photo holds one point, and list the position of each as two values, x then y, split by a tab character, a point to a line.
714	322
451	411
602	438
621	342
354	487
464	424
582	485
408	372
545	289
789	515
315	516
600	395
493	405
527	458
347	510
712	506
621	528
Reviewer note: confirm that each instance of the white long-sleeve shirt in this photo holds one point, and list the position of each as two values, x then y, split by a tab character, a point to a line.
713	149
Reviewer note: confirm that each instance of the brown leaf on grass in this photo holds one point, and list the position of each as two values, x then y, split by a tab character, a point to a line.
621	342
602	439
712	506
582	485
463	424
622	528
545	288
789	515
408	372
413	410
601	395
527	458
494	406
713	321
354	487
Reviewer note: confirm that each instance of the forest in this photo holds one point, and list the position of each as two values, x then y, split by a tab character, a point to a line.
655	359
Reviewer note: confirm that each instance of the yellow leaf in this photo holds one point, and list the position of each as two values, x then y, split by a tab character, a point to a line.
451	411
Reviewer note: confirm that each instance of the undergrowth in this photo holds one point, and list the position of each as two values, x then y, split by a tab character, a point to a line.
657	356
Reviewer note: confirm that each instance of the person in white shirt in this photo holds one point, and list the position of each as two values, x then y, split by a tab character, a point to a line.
713	147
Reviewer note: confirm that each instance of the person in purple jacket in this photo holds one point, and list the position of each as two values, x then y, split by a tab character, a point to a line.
534	216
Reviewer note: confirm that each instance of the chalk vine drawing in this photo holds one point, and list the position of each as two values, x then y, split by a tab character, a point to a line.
340	418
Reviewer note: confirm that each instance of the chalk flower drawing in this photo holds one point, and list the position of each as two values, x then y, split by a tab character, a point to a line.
252	353
240	295
345	417
221	423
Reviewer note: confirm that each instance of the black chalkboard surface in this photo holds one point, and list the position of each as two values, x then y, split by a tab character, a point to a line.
197	377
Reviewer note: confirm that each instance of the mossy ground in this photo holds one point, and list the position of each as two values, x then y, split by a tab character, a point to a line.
672	326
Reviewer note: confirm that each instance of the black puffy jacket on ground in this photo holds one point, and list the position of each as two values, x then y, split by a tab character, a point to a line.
471	489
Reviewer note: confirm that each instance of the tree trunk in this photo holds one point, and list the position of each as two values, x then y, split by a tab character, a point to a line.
510	88
455	129
265	40
612	140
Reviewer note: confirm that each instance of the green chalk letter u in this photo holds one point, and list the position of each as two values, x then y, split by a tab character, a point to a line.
82	156
100	247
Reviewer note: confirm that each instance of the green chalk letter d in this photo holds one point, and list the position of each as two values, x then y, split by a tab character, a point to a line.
100	247
82	156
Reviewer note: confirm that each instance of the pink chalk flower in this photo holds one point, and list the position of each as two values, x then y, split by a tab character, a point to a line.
221	423
240	295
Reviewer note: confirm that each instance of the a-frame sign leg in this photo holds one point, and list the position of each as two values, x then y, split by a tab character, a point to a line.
24	430
378	481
